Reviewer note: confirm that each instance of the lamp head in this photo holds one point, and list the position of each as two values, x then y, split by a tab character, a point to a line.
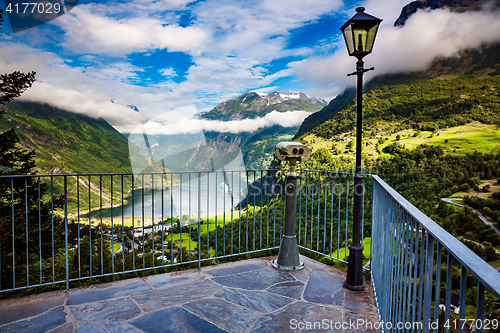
359	33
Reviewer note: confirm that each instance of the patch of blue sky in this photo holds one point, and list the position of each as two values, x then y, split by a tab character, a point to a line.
280	64
184	18
325	30
284	84
160	66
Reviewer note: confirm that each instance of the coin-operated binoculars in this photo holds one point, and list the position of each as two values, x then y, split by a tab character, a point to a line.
288	258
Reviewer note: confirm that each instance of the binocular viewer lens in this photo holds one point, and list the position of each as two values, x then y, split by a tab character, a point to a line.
300	151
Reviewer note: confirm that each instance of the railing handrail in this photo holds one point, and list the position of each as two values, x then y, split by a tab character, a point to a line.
133	173
474	264
169	172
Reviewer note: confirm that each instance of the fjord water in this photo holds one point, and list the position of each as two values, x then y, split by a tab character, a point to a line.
194	193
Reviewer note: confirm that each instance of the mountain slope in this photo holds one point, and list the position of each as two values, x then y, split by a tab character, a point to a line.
67	142
337	104
454	5
70	143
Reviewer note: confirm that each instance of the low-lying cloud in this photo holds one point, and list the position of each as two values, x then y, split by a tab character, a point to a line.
192	126
96	106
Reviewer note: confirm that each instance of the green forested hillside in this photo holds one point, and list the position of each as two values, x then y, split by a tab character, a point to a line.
420	103
70	143
67	142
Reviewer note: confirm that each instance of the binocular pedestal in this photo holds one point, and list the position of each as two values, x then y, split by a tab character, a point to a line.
288	258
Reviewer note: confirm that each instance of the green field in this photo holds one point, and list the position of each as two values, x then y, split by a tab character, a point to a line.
454	140
341	253
116	246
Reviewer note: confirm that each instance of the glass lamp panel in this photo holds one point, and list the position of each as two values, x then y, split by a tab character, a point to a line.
372	32
348	36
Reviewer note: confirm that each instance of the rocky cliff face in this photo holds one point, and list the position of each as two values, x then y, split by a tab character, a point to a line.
454	5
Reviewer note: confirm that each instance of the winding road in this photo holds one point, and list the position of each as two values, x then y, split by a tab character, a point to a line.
449	200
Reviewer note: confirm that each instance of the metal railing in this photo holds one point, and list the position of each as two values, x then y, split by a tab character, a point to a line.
59	229
413	260
65	228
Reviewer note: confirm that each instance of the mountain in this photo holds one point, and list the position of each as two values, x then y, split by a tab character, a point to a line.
454	5
71	143
133	107
67	142
469	69
337	104
257	147
212	150
253	105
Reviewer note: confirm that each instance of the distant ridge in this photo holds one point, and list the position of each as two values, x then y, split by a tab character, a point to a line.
454	5
337	104
253	105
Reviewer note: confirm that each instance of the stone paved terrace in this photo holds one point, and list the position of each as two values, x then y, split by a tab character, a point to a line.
245	296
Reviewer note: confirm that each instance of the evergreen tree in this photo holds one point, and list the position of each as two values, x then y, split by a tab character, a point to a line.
13	158
26	221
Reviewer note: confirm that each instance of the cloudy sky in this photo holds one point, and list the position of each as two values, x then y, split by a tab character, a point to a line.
167	55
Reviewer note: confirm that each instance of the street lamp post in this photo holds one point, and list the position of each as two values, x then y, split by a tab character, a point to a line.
359	34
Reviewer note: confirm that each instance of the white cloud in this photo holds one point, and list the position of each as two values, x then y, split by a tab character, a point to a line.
171	124
425	36
168	72
89	32
96	106
388	10
430	34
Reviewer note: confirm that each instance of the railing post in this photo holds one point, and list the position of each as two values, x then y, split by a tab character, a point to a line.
66	229
288	258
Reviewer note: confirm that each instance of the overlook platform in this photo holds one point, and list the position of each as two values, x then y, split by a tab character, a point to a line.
244	296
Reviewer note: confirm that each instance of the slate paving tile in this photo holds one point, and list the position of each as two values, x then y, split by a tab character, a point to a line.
43	323
324	289
29	306
169	279
302	275
117	309
256	300
312	264
293	289
66	328
104	327
174	319
254	280
102	292
301	317
234	268
228	316
160	298
361	305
